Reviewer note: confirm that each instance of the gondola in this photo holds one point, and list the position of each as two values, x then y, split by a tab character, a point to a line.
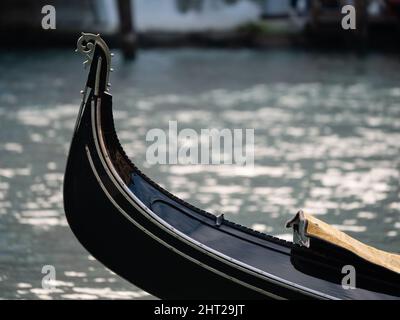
174	250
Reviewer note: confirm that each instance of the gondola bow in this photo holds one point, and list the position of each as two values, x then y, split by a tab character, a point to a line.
172	249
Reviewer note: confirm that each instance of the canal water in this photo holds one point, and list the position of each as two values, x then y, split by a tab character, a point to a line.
327	140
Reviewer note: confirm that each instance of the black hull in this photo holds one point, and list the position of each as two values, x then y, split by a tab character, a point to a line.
125	247
174	250
124	244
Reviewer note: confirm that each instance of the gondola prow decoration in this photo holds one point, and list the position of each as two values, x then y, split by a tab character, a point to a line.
98	58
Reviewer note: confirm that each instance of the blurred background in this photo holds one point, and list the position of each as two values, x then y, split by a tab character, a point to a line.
324	103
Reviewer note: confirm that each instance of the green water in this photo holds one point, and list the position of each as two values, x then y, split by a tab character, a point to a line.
327	139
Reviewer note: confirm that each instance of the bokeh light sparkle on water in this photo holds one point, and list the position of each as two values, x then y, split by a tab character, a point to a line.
327	139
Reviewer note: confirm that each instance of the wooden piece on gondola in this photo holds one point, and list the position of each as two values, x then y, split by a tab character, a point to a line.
306	226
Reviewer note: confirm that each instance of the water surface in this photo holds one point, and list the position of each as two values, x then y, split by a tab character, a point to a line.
327	139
